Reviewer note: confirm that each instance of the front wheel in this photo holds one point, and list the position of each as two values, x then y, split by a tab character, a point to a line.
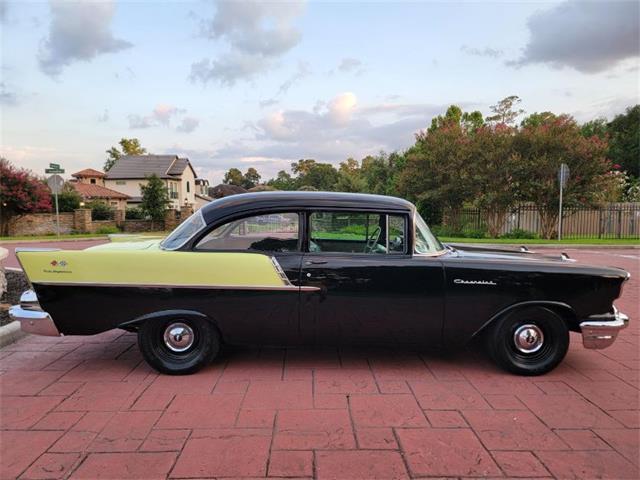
529	341
178	345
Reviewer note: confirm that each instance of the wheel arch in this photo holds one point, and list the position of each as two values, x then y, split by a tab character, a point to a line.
562	309
132	325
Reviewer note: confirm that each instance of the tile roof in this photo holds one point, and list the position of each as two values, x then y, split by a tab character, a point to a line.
88	172
89	190
141	166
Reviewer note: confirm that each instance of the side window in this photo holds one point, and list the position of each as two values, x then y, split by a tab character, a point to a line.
356	232
276	232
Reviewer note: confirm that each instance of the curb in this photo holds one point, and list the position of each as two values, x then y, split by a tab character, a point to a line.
11	333
52	239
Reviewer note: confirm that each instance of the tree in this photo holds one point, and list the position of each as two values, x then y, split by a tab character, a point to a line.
251	178
321	176
233	177
624	141
542	148
504	112
455	117
350	177
597	127
68	200
128	146
21	192
155	197
496	173
283	181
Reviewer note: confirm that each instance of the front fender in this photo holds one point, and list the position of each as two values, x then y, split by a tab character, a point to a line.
563	309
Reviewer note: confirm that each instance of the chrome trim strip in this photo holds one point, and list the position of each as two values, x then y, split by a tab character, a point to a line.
280	271
289	287
598	334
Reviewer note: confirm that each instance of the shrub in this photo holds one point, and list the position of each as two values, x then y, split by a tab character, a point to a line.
134	214
469	232
100	211
446	231
107	229
519	233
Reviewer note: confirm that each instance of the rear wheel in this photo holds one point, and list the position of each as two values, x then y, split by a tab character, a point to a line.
178	345
529	341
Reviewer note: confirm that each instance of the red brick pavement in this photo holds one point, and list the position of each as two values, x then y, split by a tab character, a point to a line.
88	407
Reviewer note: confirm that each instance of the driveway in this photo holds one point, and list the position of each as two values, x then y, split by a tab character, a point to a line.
88	407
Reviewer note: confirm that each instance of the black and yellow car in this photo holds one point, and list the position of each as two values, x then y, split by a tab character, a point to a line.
300	268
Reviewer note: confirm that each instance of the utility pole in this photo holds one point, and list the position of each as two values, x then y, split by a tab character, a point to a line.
56	184
563	176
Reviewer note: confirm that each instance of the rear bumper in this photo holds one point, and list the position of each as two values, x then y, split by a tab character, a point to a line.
600	331
32	318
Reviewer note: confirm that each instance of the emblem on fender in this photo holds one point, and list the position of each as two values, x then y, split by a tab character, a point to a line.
474	282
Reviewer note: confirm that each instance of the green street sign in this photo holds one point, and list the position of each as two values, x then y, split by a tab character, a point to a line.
54	166
54	170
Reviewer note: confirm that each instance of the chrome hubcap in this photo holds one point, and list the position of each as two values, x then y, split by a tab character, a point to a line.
178	337
528	338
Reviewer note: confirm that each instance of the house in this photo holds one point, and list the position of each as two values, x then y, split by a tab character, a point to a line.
89	184
131	171
202	193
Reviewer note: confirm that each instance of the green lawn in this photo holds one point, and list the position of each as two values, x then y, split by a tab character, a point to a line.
71	236
539	241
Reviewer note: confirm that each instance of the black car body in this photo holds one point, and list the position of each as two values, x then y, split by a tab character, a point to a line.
355	269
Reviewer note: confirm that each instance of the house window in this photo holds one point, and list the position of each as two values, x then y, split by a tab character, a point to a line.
93	181
188	189
120	182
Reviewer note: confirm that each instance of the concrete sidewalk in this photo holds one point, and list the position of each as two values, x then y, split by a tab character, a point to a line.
89	407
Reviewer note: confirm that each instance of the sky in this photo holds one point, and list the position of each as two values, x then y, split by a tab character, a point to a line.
263	84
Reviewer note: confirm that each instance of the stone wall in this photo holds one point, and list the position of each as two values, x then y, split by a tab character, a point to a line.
98	224
41	224
132	226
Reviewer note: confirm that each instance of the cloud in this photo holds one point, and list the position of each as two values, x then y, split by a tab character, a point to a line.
3	11
104	116
301	72
482	52
188	125
7	97
257	33
349	64
139	121
78	32
587	36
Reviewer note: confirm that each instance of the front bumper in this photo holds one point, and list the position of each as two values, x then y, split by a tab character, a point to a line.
31	317
600	331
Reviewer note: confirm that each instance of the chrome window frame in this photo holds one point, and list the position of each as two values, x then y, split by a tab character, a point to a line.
437	253
197	232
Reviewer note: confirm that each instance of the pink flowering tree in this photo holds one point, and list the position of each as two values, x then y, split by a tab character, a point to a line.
21	192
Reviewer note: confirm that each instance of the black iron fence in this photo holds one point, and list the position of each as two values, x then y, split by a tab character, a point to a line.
621	220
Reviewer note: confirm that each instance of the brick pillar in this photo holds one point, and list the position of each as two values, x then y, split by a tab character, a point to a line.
82	220
118	216
170	219
185	212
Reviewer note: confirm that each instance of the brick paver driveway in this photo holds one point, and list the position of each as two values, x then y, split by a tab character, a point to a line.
89	408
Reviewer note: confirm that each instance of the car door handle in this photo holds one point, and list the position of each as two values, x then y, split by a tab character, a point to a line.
316	262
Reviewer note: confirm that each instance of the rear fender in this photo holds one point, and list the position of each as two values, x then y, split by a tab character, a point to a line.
132	325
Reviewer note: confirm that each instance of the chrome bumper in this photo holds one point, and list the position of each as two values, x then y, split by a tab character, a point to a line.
600	331
31	317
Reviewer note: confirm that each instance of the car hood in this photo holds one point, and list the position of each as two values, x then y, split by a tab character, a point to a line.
525	256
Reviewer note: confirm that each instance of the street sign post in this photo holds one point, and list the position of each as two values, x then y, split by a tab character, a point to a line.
563	177
56	184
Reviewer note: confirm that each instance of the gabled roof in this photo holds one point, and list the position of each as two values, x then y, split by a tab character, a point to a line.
141	166
90	190
88	172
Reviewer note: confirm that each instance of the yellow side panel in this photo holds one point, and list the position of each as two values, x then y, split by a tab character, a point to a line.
150	267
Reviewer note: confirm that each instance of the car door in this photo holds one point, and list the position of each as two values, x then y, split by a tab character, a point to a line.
259	315
372	290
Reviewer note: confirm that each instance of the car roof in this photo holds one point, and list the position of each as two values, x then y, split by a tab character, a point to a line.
281	201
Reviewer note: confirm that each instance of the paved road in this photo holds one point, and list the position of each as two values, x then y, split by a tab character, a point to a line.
12	261
88	407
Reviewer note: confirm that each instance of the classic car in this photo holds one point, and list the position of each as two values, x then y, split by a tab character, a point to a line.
300	268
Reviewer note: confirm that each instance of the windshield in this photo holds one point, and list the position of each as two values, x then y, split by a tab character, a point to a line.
183	232
425	241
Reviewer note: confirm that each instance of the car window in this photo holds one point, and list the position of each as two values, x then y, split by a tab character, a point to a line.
425	241
356	232
184	232
276	232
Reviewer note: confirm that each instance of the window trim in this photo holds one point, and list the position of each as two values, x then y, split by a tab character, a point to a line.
405	215
226	221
